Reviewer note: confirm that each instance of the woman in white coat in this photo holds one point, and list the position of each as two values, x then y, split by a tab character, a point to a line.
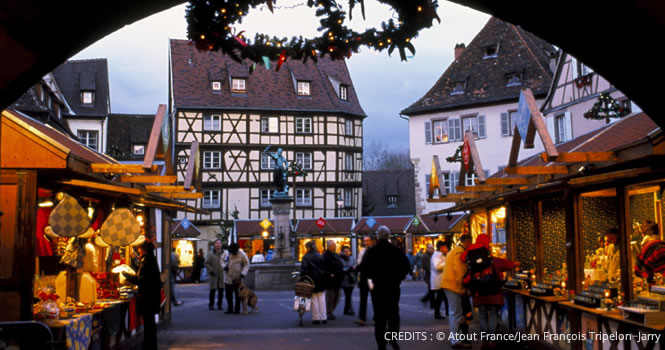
437	263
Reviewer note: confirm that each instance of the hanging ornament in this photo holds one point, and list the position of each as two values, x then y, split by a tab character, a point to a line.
266	61
282	59
68	218
605	108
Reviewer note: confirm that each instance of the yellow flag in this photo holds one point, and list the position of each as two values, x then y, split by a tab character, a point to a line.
434	180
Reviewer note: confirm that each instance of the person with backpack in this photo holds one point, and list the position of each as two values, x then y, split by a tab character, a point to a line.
453	276
485	282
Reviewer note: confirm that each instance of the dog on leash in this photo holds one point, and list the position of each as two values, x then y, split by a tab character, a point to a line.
247	296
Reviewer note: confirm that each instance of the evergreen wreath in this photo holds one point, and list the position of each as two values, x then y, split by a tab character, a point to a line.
211	26
606	107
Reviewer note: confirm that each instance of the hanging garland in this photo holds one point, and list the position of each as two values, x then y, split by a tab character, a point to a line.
606	107
211	26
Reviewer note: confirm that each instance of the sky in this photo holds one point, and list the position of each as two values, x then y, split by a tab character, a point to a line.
138	59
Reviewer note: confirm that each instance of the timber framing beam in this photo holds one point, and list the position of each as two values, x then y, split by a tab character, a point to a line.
155	137
186	195
536	170
457	197
149	179
164	189
479	188
120	168
100	186
507	181
579	157
610	176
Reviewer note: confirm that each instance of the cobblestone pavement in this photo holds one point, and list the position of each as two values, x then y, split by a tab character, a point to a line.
275	326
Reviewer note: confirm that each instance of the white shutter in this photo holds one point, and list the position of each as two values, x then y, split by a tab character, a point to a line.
428	132
505	125
569	126
550	127
481	127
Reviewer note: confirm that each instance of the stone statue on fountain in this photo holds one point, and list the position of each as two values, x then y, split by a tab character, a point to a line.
279	173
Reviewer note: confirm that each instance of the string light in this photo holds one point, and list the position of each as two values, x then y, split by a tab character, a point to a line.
205	20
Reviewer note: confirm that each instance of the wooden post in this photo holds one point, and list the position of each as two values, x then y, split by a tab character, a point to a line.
623	213
539	239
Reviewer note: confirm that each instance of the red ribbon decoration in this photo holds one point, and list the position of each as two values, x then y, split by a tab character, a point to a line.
282	59
466	152
242	42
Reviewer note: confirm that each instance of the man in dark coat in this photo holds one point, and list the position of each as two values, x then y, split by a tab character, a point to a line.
368	242
199	261
334	273
148	300
313	266
385	267
427	273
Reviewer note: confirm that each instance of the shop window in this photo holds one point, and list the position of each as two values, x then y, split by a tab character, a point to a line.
599	216
645	221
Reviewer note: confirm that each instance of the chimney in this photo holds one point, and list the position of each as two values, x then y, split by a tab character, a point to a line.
459	48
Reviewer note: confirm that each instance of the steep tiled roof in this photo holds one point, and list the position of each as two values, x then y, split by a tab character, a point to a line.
193	71
125	130
379	184
76	75
485	79
334	226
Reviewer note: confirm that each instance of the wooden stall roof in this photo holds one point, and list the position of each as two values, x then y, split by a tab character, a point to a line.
333	227
430	224
396	224
179	230
633	138
247	228
30	144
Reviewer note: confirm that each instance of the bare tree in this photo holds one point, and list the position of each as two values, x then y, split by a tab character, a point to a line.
378	156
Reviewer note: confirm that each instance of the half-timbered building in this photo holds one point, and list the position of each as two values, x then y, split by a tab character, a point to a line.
235	110
575	89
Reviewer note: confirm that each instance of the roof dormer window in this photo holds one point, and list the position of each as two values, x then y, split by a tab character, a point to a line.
344	92
304	88
216	86
514	79
458	88
238	85
491	51
87	97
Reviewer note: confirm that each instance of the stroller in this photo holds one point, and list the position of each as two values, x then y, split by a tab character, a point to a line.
303	299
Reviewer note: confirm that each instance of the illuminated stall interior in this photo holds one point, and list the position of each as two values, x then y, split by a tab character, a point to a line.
254	238
336	229
184	238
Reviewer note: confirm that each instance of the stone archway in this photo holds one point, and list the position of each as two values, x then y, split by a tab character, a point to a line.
620	42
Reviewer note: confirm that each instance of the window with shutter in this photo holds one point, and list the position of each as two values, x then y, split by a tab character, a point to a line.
454	129
481	127
440	131
505	124
428	132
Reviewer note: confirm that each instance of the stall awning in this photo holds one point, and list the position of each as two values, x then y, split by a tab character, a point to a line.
333	227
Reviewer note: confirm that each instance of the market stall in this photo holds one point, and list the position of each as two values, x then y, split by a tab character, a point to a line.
253	238
580	234
185	239
336	229
68	230
422	230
